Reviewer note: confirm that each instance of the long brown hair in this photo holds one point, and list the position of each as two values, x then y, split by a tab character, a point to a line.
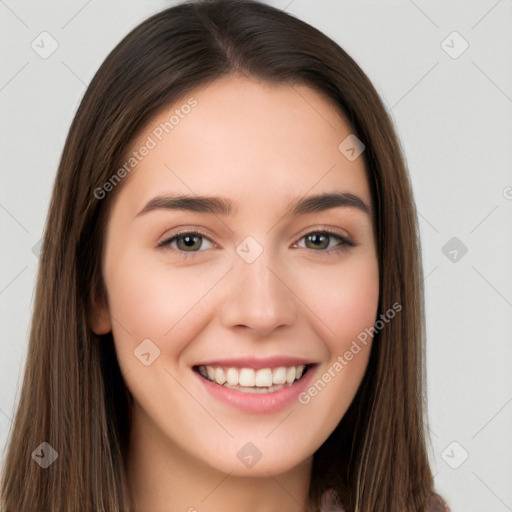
73	395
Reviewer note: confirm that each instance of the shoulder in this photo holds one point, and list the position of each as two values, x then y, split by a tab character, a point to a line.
436	504
331	503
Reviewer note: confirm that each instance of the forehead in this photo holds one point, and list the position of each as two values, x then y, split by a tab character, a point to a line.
246	139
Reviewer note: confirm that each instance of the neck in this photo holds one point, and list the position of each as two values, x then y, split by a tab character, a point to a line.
164	478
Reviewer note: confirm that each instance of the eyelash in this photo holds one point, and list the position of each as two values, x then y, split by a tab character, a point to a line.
330	252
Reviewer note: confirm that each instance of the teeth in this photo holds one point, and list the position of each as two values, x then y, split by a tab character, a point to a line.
251	378
210	372
290	374
219	376
279	375
246	377
264	378
232	376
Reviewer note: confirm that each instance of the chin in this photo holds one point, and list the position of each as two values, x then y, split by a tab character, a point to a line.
258	459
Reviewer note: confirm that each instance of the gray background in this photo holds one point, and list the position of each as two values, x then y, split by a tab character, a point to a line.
453	116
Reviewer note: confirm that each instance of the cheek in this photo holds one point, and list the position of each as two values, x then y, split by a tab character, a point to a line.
343	297
149	299
345	301
347	304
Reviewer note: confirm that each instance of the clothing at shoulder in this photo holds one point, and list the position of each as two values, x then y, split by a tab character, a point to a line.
331	503
436	504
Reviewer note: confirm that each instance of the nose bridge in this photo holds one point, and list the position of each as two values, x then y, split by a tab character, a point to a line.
257	295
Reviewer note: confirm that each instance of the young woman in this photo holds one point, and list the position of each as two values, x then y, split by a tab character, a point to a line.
229	308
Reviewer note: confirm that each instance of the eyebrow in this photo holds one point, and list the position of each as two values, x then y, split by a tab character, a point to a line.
224	207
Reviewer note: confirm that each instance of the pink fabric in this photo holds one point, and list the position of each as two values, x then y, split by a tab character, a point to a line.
436	504
331	503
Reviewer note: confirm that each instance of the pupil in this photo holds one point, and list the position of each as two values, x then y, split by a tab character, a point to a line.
190	240
316	238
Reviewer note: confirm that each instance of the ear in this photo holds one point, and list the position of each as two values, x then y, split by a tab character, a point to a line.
98	314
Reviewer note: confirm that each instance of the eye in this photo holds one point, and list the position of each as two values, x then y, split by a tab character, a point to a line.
190	242
321	240
187	241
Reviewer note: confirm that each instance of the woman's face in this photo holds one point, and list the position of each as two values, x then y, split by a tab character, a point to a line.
245	286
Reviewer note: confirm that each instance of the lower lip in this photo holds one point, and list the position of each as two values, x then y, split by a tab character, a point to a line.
258	403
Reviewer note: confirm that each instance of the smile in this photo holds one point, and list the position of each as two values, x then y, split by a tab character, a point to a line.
252	380
255	386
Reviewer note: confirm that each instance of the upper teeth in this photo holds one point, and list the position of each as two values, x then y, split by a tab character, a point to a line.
249	377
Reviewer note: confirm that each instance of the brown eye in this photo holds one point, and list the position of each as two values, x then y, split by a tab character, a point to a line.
321	240
190	241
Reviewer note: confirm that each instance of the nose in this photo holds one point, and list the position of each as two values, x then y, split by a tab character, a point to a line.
259	297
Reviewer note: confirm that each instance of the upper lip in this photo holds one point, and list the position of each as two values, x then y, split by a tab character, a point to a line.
258	362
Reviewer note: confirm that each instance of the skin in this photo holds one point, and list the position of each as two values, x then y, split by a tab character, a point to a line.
260	145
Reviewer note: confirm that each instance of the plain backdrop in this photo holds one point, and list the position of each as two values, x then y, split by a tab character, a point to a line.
443	69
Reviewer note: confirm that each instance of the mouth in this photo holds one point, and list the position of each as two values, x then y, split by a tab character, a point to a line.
254	380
